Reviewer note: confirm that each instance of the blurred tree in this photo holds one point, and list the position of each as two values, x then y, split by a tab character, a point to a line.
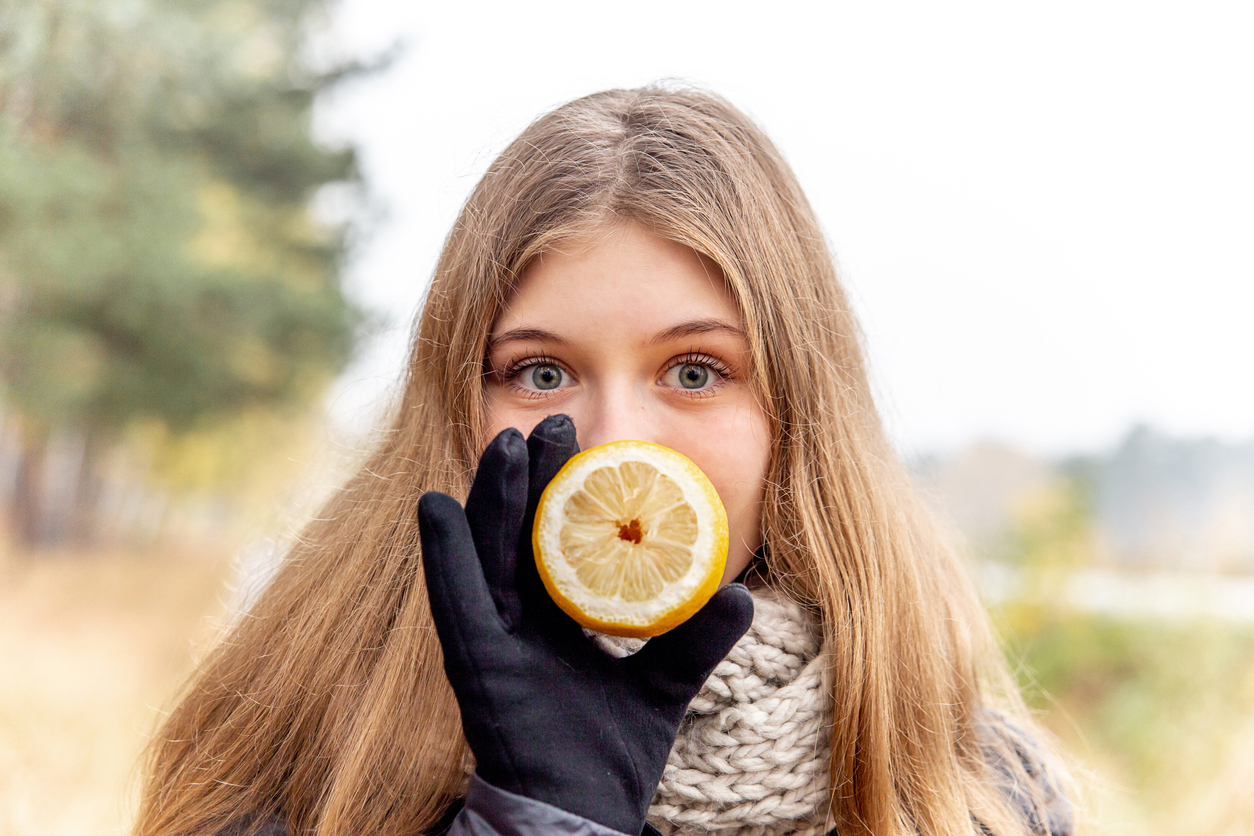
158	256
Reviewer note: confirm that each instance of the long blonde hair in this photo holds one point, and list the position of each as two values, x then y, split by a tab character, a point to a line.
327	704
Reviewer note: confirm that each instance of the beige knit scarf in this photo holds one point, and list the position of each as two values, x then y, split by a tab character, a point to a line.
751	756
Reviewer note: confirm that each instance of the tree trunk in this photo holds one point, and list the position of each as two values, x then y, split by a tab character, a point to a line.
85	528
28	501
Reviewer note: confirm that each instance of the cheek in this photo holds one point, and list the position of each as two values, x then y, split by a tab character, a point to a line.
495	418
500	415
735	453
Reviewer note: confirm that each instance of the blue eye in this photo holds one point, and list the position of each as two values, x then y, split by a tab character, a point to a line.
693	376
698	375
546	376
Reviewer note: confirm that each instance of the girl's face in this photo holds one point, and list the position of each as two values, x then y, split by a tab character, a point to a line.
636	337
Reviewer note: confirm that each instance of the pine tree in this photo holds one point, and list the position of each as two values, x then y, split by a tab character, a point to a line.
158	257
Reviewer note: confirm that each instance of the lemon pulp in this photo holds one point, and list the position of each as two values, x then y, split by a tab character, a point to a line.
630	538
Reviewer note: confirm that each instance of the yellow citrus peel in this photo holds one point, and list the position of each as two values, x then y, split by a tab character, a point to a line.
630	538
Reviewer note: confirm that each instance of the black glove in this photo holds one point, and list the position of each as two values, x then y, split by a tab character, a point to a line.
546	713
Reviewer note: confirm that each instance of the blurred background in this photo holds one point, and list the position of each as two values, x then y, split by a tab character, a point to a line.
218	218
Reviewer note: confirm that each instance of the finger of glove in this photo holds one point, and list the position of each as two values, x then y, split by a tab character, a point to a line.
461	604
550	445
676	664
495	509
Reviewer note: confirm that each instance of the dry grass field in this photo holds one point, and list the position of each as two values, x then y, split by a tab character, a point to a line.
92	646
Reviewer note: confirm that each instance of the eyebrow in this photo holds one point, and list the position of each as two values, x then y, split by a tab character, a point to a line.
525	335
675	332
696	326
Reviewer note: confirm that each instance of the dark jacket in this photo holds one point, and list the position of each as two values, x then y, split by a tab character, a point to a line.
489	811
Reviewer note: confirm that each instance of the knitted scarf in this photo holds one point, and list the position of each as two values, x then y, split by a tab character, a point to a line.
751	758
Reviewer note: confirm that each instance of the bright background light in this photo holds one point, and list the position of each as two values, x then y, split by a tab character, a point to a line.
1043	211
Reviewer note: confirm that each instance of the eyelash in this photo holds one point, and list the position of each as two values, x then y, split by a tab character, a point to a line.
516	367
695	358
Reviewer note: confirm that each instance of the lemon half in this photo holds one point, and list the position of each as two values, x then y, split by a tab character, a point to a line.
630	538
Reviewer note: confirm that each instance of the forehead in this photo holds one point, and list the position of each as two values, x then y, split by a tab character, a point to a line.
626	277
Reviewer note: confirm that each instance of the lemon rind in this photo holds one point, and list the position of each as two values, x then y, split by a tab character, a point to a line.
682	598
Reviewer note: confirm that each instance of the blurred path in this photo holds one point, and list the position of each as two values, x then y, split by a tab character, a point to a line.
91	646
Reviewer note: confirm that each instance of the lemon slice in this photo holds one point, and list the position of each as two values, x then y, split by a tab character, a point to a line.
630	538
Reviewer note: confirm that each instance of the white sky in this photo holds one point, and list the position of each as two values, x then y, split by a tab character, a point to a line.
1044	212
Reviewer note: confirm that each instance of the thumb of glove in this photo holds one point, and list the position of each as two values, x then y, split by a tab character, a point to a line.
676	664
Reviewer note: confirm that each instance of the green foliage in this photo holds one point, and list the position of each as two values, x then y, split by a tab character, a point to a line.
1154	704
1162	709
157	256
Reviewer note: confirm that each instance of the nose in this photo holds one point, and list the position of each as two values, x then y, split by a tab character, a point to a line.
615	413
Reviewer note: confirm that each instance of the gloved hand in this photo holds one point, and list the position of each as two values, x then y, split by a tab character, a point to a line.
546	713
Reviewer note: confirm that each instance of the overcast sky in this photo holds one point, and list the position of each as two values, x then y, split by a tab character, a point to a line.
1044	212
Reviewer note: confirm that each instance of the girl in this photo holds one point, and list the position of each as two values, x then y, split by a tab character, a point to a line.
637	264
